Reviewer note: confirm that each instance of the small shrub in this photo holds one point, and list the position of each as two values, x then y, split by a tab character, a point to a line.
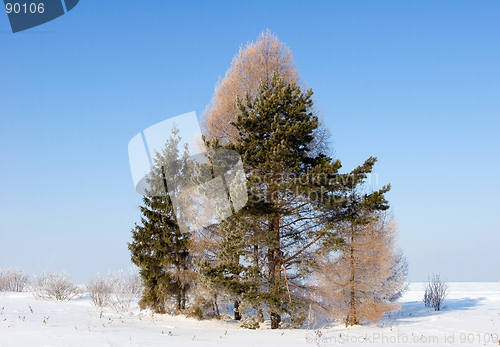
204	303
125	290
247	323
435	292
100	291
14	280
115	291
53	286
4	281
195	312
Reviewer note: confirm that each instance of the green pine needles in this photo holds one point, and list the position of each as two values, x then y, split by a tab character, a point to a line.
159	248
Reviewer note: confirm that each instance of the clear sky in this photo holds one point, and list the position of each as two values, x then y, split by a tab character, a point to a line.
414	83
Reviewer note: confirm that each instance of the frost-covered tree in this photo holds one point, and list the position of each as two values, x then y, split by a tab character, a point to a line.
361	280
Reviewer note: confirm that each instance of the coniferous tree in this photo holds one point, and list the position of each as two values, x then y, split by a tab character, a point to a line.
296	199
159	248
255	63
362	279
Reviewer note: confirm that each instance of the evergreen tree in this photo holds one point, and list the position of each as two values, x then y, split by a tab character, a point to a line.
296	199
159	248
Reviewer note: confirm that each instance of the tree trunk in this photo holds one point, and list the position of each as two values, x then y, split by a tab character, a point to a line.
275	320
179	299
275	256
183	299
352	319
216	306
237	315
256	256
275	260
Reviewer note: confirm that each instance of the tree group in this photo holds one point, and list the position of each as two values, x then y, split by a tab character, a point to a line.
309	235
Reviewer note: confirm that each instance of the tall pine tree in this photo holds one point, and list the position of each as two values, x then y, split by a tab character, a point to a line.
296	198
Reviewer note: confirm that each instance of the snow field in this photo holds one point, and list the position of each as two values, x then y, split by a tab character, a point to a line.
471	317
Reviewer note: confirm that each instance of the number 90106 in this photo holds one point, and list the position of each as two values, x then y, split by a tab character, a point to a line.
24	8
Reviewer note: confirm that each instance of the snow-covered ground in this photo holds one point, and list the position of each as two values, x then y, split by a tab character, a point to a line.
471	317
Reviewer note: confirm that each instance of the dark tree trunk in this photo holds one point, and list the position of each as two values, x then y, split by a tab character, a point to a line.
183	299
275	259
179	299
256	256
275	320
237	315
216	307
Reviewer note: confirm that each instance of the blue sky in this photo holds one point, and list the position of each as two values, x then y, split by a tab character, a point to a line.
414	83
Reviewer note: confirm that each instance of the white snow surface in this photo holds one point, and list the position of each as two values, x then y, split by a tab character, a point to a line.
471	317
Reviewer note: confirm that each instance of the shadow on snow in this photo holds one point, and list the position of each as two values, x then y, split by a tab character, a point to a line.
417	309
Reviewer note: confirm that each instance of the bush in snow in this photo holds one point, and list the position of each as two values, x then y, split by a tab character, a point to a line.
54	286
249	323
125	290
434	292
100	290
14	280
115	291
